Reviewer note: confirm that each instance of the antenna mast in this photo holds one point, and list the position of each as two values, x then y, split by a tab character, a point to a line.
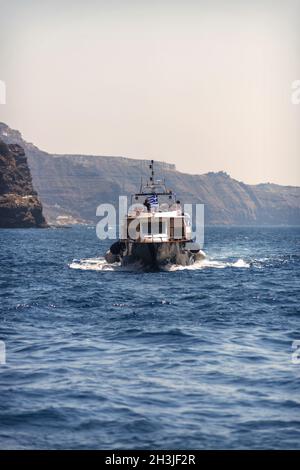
151	166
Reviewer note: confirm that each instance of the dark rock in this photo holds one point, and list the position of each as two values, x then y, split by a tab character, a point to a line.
19	204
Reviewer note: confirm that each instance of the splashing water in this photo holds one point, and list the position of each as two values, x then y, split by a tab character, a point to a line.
93	264
100	264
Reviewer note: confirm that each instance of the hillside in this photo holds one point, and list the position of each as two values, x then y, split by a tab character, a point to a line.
74	185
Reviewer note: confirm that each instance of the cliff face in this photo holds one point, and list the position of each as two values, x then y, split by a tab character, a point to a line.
19	204
74	185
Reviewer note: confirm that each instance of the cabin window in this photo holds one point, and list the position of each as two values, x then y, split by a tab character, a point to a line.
160	226
178	228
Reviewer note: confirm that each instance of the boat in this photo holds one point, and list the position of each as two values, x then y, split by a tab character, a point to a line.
155	230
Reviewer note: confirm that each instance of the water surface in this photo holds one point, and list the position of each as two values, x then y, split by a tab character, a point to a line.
99	357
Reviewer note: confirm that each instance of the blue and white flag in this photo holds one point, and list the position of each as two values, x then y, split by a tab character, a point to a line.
153	200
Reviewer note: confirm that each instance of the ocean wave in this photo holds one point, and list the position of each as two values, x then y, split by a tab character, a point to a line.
97	357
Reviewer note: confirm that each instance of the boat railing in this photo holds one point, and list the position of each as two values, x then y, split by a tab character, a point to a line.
135	211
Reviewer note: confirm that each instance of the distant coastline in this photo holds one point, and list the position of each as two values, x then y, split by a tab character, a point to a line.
71	187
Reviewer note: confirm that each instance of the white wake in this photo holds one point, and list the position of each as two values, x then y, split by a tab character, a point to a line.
99	264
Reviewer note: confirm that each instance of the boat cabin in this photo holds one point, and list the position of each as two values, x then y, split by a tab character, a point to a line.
155	215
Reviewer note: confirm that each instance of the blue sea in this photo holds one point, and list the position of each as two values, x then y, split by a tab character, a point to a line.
98	357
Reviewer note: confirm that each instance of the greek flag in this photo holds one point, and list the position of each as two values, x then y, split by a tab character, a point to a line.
153	200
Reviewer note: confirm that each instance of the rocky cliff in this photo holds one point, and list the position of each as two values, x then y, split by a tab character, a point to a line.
19	204
72	186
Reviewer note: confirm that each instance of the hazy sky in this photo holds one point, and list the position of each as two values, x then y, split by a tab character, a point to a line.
204	84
